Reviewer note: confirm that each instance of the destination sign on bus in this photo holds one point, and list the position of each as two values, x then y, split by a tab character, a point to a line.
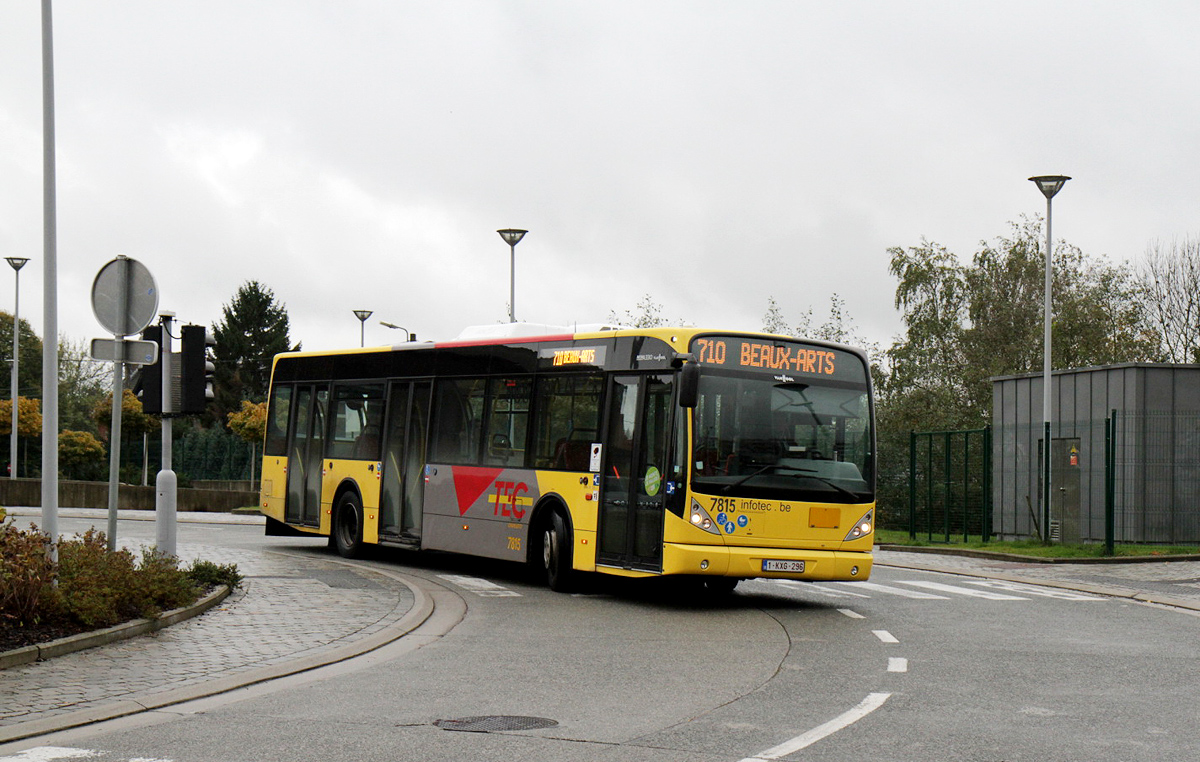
567	356
782	356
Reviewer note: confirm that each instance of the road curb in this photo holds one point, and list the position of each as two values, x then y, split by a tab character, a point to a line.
130	629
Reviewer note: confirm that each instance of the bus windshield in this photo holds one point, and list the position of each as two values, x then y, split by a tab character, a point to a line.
776	437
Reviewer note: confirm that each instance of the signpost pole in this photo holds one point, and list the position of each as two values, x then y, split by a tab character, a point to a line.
165	484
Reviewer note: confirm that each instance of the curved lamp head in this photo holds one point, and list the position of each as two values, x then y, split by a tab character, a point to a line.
1050	184
512	236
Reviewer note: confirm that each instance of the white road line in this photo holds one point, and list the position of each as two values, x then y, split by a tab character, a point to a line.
49	754
896	591
885	636
852	614
897	664
835	593
481	587
868	705
962	590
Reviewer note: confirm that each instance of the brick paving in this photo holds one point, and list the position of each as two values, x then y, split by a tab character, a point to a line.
289	608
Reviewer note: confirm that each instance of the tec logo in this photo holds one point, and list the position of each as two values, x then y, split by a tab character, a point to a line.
729	524
507	500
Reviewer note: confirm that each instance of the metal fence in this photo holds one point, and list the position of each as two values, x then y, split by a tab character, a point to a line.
949	492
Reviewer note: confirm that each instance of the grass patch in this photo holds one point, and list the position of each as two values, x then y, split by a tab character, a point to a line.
1035	548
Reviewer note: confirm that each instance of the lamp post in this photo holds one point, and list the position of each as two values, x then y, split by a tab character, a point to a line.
407	336
512	237
1048	185
362	316
17	263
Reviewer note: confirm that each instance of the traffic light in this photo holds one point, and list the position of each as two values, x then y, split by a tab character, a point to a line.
196	370
147	386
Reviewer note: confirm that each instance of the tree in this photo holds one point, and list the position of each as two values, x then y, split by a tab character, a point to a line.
838	328
80	455
1170	280
254	329
29	417
134	422
30	382
82	383
649	315
250	423
967	324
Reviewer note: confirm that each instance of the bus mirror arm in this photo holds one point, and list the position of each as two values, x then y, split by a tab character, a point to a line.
689	379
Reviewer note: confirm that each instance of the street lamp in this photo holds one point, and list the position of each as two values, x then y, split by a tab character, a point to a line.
512	237
17	263
1048	185
362	316
407	336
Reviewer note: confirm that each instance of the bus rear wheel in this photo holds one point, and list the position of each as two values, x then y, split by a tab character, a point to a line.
348	526
556	554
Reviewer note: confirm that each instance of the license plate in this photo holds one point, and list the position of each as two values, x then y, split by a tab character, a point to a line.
773	565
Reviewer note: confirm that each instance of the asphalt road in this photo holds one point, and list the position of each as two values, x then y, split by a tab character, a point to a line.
911	666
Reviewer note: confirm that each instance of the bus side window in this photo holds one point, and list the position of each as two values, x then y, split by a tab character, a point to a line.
508	421
277	421
568	417
357	415
457	421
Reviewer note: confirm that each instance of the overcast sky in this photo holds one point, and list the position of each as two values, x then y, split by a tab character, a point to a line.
361	155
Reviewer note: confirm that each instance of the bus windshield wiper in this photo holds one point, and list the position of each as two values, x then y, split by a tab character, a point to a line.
808	473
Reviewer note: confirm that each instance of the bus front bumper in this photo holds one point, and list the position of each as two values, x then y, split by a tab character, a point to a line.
774	563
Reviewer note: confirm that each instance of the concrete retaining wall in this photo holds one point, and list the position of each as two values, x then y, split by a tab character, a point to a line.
95	495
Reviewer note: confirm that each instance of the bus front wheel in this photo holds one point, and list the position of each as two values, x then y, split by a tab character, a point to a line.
348	526
556	554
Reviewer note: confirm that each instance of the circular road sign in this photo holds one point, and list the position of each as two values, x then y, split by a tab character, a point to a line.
124	296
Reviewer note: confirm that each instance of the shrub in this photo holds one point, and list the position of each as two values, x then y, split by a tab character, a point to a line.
207	574
26	575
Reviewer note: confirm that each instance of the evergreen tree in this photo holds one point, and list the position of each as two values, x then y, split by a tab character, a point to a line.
253	330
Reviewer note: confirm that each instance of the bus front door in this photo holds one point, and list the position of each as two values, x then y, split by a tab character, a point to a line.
306	448
634	472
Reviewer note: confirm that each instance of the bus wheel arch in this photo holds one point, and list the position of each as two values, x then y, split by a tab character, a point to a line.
346	522
552	544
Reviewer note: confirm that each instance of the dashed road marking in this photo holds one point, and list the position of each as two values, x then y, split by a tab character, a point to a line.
897	664
885	636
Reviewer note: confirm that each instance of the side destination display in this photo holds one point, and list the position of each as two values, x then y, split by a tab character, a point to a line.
778	356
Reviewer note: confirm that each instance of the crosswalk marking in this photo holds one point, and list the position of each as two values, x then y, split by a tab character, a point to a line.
480	587
899	591
942	587
987	589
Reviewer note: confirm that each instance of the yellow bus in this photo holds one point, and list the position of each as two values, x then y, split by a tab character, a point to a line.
634	452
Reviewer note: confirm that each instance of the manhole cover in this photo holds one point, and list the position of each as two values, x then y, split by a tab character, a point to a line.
494	723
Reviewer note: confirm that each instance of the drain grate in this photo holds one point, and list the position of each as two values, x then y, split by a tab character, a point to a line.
495	723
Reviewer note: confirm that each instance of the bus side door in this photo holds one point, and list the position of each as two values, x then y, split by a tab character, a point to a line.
306	448
635	471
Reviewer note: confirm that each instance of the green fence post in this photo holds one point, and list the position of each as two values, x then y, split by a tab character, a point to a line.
912	485
1110	483
987	483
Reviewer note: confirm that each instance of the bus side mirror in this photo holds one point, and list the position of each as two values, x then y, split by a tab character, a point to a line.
689	384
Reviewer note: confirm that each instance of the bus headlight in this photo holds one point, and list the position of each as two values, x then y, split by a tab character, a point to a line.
701	520
862	527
